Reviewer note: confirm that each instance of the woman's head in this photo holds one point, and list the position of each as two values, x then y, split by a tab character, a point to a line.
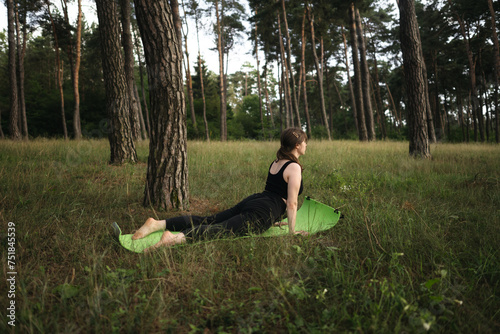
291	138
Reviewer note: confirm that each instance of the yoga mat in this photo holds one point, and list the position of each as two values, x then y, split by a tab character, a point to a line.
312	217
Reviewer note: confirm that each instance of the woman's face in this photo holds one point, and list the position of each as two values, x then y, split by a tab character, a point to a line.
301	148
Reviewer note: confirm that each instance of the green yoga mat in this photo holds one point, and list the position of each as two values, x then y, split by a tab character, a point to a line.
312	217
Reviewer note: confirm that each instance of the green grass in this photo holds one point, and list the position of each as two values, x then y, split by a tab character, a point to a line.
416	252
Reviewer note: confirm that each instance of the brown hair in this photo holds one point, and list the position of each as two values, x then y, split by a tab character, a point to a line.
290	138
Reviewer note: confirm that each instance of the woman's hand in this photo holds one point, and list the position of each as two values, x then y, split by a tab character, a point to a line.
279	224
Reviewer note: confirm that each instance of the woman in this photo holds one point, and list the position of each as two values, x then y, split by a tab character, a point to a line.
256	213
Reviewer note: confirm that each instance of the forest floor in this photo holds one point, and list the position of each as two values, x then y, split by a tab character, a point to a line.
417	251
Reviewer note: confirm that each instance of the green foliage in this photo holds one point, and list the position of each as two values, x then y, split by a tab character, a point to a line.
416	252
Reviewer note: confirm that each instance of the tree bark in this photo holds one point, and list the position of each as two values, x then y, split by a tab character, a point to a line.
284	72
358	88
496	52
293	92
222	89
258	78
349	81
21	52
286	82
128	48
365	80
167	172
77	127
304	77
59	69
477	112
115	83
202	85
141	76
415	86
189	79
320	75
14	103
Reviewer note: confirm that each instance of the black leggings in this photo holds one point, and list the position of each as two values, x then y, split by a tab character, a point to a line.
253	215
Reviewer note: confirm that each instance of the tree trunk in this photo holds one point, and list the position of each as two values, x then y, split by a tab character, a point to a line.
220	48
167	173
320	74
14	103
59	74
128	48
415	86
69	52
77	127
304	78
21	52
428	110
189	79
143	92
378	95
358	88
115	82
496	51
477	112
258	79
365	80
286	82
207	131
349	81
293	92
268	102
438	129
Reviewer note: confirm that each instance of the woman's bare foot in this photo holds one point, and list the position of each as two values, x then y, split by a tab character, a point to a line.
151	225
279	224
168	239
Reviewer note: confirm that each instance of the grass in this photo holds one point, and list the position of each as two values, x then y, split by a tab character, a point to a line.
416	252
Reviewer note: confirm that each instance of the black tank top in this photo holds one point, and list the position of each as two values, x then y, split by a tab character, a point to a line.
276	183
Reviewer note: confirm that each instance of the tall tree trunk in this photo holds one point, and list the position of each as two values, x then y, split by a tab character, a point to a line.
200	70
428	110
286	82
69	52
365	80
115	83
141	76
284	73
415	86
207	131
259	93
268	102
378	95
349	81
496	51
77	127
293	91
59	74
358	88
189	79
319	73
477	112
222	89
14	103
167	173
304	78
21	51
141	115
128	48
437	114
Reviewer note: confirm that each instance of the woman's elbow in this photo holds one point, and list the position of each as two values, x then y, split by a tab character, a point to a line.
290	204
